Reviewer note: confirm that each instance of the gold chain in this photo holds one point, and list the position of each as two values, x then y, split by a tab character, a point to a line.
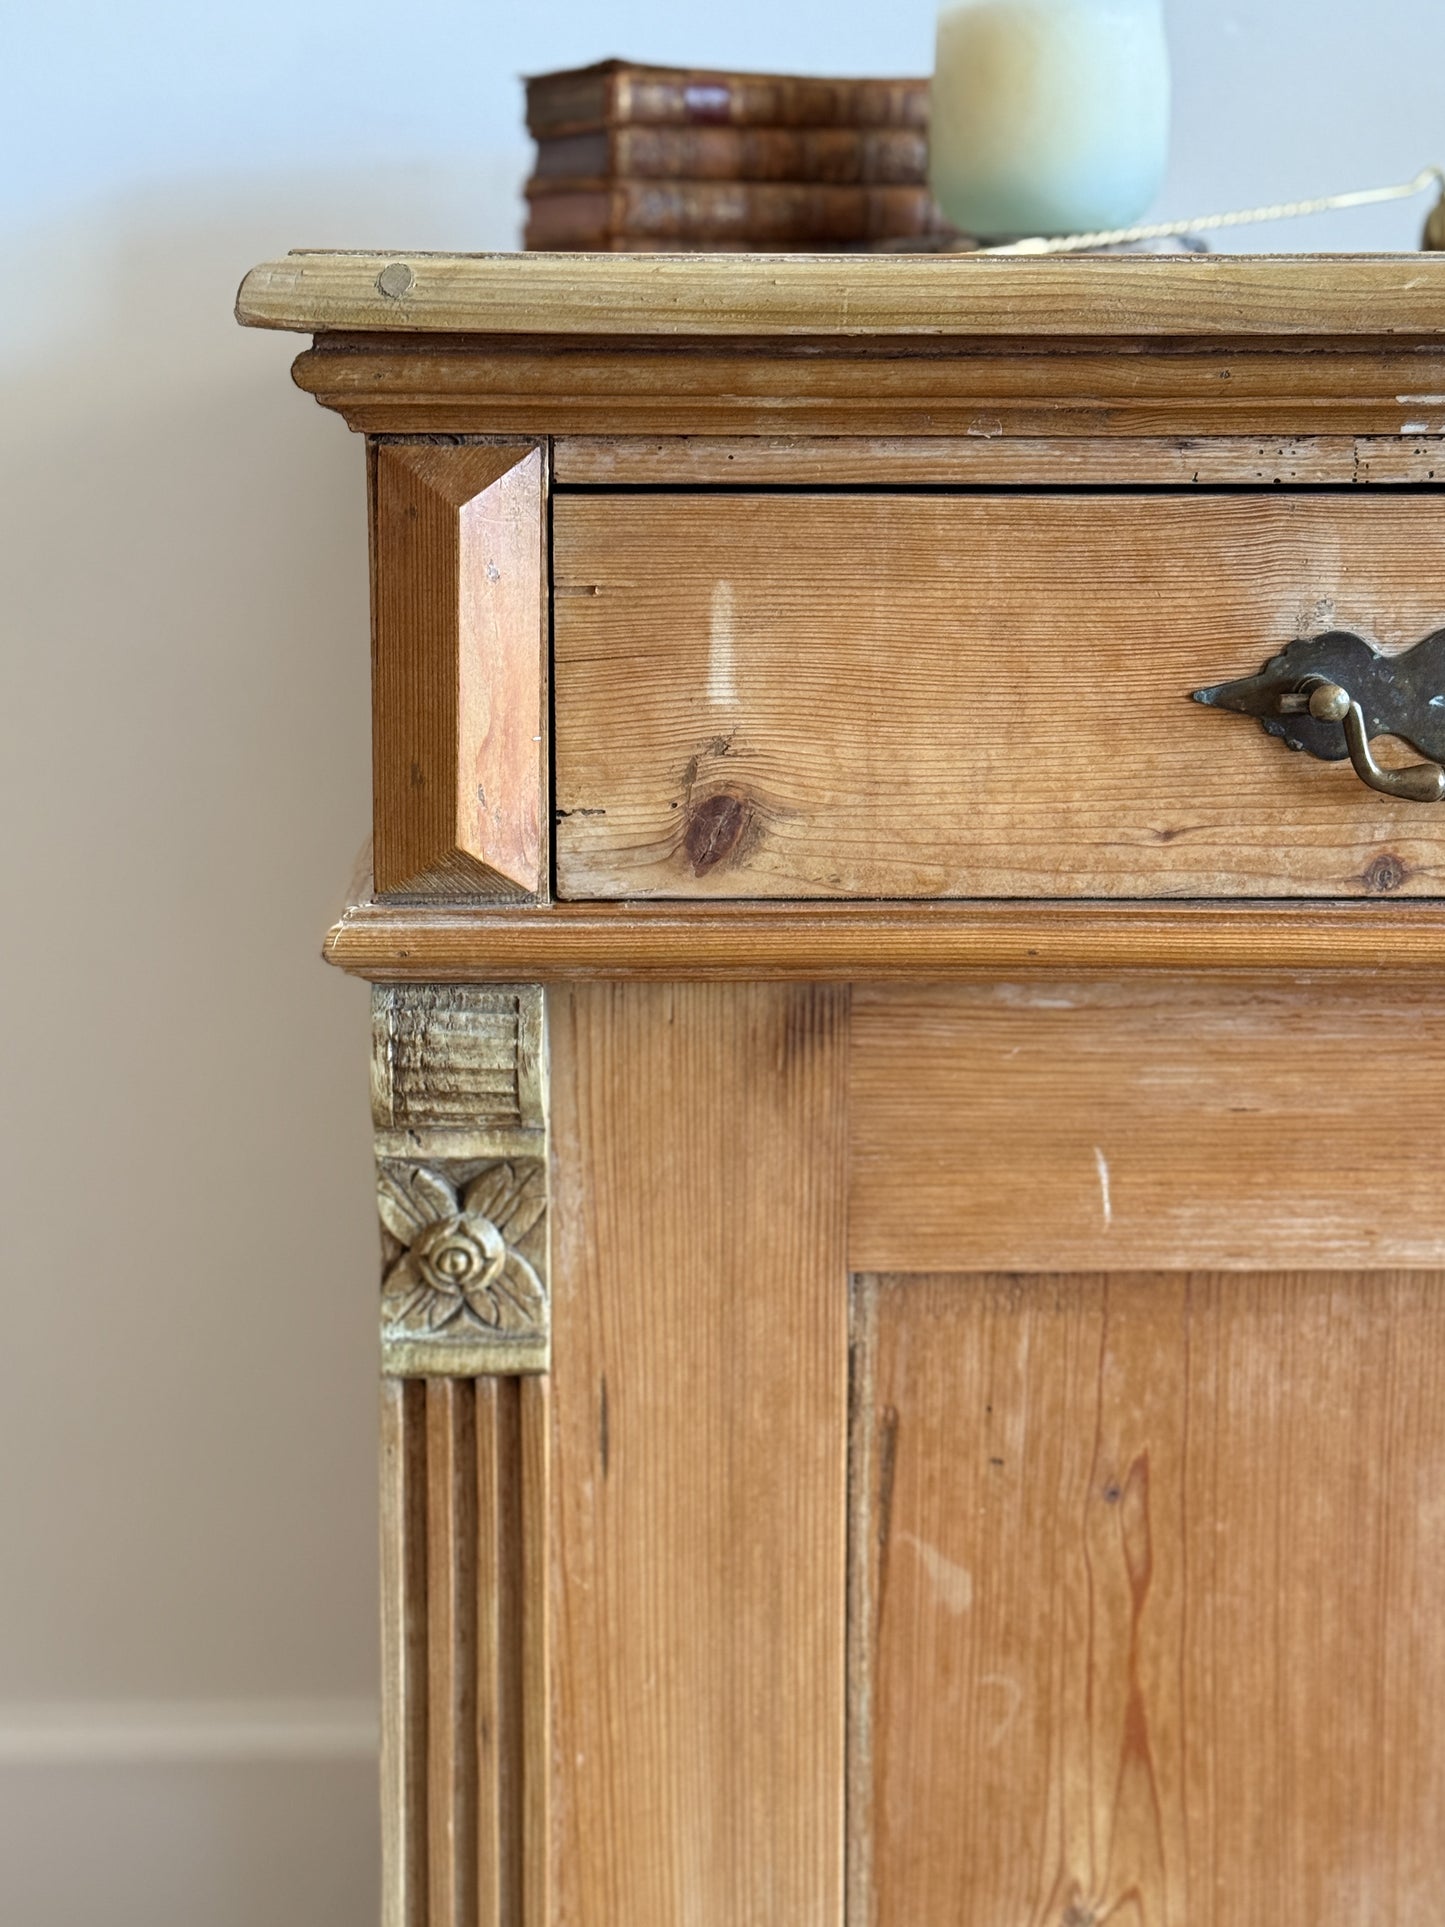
1204	223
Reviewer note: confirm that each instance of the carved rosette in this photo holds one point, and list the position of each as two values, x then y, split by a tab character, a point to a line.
466	1280
459	1098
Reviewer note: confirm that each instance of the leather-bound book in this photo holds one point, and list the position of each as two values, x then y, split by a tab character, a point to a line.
620	93
838	156
755	213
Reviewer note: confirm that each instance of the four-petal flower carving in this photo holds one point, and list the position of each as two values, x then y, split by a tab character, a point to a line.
464	1264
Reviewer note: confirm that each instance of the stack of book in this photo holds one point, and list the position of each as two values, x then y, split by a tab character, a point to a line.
663	159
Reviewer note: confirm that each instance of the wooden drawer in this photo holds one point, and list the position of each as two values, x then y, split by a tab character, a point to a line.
971	694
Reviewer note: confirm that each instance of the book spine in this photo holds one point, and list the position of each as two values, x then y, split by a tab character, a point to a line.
757	100
835	156
752	215
569	102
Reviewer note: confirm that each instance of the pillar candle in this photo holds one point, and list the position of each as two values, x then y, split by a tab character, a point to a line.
1049	116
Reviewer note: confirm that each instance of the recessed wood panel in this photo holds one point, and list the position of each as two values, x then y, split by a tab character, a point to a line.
961	696
1153	1121
699	1454
1148	1577
459	670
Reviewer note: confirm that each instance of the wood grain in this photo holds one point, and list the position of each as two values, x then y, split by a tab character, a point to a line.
984	391
694	461
932	296
699	1455
844	943
532	1690
497	1597
452	1597
1145	1122
1153	1573
513	1703
935	696
465	1709
405	1848
459	669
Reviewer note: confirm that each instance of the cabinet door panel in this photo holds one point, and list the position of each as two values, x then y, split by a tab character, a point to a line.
1146	1584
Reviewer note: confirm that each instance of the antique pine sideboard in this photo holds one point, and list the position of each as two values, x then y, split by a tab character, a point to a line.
913	1288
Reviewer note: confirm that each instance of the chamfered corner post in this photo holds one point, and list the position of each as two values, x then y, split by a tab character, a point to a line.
459	666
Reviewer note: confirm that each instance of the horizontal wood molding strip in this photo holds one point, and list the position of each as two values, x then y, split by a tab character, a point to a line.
1143	1122
505	387
830	942
691	461
934	295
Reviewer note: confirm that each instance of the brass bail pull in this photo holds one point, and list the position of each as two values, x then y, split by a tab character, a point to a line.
1416	783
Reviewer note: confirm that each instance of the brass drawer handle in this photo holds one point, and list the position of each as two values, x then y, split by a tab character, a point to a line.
1330	694
1328	703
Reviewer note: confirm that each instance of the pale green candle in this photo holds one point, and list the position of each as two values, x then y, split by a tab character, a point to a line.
1049	116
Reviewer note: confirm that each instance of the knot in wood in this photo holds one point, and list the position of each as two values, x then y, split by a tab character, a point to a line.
1385	874
714	830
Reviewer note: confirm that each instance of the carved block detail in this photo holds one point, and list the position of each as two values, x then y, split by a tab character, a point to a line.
464	1292
459	1102
457	1058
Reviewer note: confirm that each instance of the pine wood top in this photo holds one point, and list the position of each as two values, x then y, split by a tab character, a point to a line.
848	295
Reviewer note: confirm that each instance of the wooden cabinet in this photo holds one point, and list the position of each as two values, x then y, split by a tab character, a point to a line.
913	1273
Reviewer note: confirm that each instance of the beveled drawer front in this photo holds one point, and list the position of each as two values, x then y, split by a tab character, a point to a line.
956	695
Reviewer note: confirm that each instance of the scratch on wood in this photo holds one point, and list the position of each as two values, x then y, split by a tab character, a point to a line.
722	685
952	1583
1105	1199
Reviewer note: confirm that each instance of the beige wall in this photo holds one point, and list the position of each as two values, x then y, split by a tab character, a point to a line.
187	1385
187	1378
